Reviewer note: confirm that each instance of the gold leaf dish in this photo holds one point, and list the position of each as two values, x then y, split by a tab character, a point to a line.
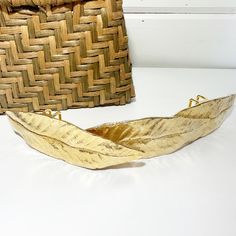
117	143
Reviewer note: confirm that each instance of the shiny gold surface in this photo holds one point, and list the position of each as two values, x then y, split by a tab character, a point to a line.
196	100
113	144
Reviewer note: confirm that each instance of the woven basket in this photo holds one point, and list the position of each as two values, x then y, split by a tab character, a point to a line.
60	54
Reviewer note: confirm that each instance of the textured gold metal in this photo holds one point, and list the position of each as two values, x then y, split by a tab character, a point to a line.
50	114
192	101
196	100
117	143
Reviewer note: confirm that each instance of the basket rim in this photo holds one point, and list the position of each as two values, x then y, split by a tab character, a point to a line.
20	3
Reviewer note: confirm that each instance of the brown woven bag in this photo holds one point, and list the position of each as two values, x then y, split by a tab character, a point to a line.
60	54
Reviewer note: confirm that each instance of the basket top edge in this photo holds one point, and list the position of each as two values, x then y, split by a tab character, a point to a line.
19	3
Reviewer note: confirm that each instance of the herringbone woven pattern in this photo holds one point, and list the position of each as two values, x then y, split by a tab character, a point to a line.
69	56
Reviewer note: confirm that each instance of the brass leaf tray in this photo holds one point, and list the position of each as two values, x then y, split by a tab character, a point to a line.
117	143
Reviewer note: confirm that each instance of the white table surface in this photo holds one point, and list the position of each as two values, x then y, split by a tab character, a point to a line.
191	192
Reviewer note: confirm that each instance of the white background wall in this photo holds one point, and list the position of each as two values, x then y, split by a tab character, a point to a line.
182	33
